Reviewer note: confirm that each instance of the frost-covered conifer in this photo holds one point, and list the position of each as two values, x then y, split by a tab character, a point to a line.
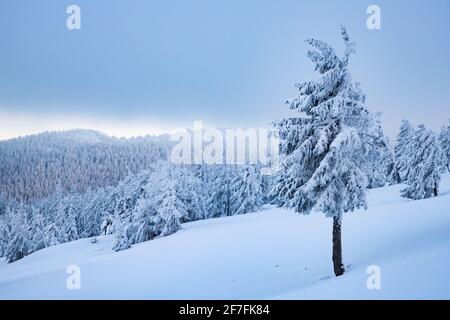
219	202
65	221
402	152
20	244
321	150
121	241
38	230
3	203
106	226
192	192
93	211
4	235
171	209
444	141
145	220
247	193
53	234
377	159
425	166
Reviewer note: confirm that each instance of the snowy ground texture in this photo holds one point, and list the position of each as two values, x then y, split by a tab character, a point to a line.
272	254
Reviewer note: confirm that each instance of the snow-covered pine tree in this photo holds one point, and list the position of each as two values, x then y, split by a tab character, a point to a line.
127	194
171	208
65	220
377	161
388	161
266	183
147	224
20	244
192	193
3	203
444	141
107	225
143	221
247	193
321	150
53	234
121	241
402	152
219	202
4	235
38	230
93	212
425	166
171	211
112	196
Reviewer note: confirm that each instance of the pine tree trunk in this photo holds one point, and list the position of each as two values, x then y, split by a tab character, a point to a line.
337	247
435	191
228	204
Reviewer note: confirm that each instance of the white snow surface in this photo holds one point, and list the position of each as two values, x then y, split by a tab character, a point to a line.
271	254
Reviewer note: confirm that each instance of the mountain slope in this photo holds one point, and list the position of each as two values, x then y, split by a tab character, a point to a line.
269	254
32	166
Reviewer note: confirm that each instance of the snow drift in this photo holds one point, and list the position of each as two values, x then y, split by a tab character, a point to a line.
273	253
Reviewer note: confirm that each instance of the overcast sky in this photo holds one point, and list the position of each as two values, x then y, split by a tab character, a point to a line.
147	66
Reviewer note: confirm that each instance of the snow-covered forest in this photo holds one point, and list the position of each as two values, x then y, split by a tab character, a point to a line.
59	187
77	160
141	207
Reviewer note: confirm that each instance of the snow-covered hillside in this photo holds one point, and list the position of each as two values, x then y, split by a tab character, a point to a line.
32	167
269	254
